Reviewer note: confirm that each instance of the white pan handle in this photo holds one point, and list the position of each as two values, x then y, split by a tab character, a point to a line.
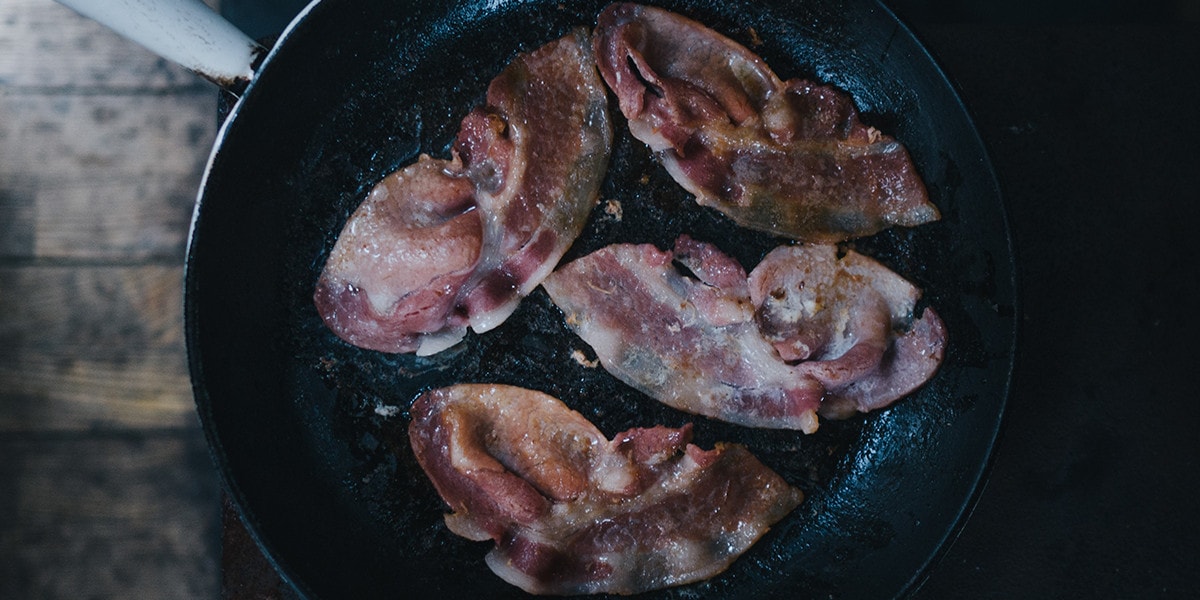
186	32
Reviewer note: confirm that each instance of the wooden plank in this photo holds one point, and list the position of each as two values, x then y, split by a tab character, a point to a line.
44	45
130	516
17	217
106	488
92	347
102	176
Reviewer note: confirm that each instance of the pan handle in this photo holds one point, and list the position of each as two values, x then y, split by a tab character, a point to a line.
186	32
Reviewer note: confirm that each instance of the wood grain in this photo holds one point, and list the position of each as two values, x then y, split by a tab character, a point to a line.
47	47
92	347
102	176
112	516
106	487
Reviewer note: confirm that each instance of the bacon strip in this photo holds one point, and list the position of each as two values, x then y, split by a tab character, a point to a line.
572	512
689	343
806	333
446	244
790	158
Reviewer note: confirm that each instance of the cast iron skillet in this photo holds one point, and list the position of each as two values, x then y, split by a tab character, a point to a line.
310	433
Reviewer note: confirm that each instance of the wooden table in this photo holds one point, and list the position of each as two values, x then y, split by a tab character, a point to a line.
106	486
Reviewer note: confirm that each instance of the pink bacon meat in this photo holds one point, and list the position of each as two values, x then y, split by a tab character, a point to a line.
689	343
806	333
848	322
443	245
573	512
790	158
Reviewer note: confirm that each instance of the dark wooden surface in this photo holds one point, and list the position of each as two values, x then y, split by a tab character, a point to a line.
106	488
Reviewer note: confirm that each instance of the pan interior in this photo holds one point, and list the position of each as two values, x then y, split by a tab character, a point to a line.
310	433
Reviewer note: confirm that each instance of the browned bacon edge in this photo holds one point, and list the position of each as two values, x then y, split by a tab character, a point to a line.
790	158
572	512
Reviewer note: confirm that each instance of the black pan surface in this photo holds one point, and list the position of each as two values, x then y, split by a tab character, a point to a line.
309	432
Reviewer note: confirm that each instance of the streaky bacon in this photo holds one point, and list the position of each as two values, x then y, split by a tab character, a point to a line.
443	245
789	157
573	512
806	333
688	341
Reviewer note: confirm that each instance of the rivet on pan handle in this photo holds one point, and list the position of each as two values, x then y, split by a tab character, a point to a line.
186	32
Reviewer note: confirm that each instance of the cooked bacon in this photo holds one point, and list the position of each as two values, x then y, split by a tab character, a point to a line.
690	343
446	244
851	321
572	512
790	157
805	333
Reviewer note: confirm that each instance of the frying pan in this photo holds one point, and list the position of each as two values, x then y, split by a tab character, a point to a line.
309	433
